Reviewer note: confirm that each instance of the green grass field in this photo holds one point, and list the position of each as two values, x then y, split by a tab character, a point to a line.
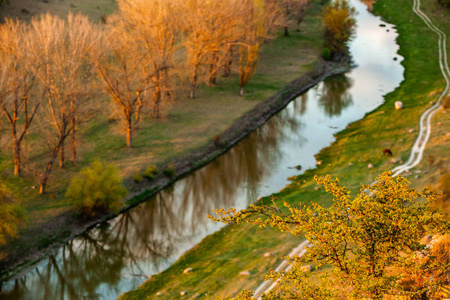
219	258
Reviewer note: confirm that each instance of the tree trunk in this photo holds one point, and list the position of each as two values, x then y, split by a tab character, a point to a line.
129	132
46	175
16	159
16	144
61	155
73	141
194	82
213	70
241	92
157	103
42	188
286	31
228	63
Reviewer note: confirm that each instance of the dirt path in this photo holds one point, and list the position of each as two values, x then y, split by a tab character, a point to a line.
417	149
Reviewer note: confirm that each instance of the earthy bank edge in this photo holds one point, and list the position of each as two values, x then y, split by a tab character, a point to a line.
69	226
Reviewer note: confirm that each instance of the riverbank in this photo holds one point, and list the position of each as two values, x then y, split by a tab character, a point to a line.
281	60
217	261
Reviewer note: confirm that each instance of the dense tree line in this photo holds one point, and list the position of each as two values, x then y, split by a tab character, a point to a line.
53	70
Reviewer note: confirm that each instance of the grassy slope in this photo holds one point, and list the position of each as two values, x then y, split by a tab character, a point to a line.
26	9
218	260
188	124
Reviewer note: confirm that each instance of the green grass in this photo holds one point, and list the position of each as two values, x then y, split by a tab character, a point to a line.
219	258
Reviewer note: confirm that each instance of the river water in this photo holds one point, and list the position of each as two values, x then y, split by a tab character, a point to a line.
117	256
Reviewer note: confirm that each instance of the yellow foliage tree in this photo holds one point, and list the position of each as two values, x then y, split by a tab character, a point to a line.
339	25
371	242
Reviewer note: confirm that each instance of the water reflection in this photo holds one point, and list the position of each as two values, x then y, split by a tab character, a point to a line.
120	254
117	256
335	94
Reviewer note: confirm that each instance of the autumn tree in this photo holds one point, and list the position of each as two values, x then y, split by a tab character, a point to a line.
339	25
154	26
119	64
371	241
20	96
292	10
67	78
209	28
253	26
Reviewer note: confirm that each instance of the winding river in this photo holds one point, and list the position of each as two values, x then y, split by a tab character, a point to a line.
117	256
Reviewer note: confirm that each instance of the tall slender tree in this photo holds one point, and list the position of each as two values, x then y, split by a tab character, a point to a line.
120	65
20	96
209	27
66	76
154	26
254	28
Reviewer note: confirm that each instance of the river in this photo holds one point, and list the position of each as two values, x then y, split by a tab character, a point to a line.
116	257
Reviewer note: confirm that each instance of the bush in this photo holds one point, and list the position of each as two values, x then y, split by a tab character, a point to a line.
445	3
169	171
150	172
97	189
446	102
326	53
11	216
137	177
339	25
444	186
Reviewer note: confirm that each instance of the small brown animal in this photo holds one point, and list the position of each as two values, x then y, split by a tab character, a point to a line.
387	152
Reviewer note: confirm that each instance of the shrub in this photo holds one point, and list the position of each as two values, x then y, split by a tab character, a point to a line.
150	172
169	171
339	25
11	215
137	177
445	3
326	53
444	186
217	140
97	189
446	102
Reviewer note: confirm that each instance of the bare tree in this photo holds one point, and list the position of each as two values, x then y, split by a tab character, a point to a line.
254	28
20	97
209	27
66	76
119	64
83	38
293	10
154	26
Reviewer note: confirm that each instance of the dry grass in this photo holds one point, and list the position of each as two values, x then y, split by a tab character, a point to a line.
26	9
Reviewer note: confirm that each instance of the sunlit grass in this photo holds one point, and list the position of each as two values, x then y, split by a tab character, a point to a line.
361	143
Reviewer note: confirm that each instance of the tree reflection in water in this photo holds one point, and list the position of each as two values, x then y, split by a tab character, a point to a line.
335	94
117	256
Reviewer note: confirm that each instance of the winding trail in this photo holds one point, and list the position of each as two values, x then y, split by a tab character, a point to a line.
417	149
